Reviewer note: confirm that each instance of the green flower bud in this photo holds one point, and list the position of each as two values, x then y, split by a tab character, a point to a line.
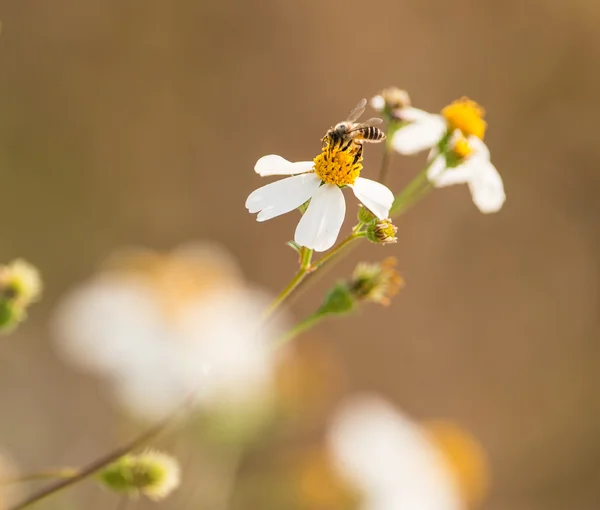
20	285
151	473
382	232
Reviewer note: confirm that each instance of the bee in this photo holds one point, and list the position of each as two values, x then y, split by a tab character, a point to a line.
350	133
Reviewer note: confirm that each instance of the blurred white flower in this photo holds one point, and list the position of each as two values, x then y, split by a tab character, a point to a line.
319	181
164	329
473	169
459	155
389	459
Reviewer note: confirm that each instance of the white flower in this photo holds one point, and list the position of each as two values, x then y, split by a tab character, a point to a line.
318	181
465	159
165	330
476	171
389	459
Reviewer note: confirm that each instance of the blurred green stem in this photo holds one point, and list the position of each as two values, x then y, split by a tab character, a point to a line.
305	260
386	160
93	467
62	473
301	327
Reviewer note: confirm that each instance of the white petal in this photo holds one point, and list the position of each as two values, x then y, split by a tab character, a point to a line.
377	103
377	197
276	165
319	227
424	131
441	176
479	147
487	188
410	114
282	196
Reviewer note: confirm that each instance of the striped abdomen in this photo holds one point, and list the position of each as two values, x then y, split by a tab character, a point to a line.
370	134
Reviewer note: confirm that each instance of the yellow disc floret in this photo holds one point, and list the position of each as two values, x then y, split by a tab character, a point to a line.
462	148
334	166
467	116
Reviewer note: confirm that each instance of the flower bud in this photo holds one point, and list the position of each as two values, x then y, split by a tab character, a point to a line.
382	232
377	282
151	473
20	285
339	301
390	99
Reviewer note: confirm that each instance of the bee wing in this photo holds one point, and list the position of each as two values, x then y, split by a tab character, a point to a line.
357	111
371	122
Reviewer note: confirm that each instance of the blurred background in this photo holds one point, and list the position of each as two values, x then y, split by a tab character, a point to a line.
128	122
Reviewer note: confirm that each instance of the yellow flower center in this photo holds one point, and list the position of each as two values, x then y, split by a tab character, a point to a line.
462	148
467	116
334	166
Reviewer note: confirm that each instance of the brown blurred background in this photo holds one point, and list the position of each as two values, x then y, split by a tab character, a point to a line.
127	122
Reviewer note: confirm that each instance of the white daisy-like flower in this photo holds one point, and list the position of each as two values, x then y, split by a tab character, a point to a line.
319	181
169	329
474	169
458	153
389	459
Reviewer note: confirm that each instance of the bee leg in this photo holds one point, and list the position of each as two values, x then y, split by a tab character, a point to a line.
345	148
358	154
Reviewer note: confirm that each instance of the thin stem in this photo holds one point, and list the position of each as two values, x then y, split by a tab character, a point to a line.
301	327
92	467
62	473
305	261
386	160
337	250
411	193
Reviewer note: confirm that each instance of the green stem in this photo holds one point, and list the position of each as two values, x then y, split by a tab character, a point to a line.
337	250
92	468
63	473
414	191
305	267
301	327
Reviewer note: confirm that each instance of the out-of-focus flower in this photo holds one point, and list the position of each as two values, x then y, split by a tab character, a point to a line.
459	155
390	460
319	181
169	329
20	286
390	100
320	485
152	473
376	282
468	162
465	458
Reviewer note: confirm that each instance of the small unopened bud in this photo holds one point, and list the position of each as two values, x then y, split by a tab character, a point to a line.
377	282
364	215
339	301
391	99
382	232
20	286
151	473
